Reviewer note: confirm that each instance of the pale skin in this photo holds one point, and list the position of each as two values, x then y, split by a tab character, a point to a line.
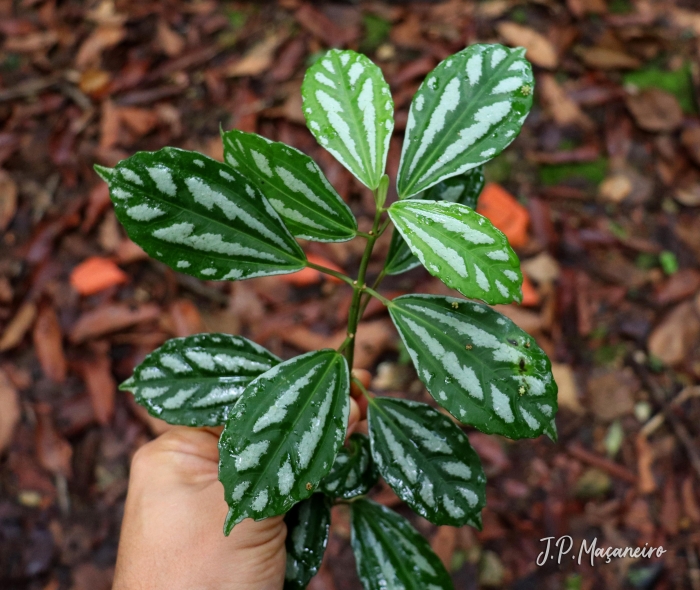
172	535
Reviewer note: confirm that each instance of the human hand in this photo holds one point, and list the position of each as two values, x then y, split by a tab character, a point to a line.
172	529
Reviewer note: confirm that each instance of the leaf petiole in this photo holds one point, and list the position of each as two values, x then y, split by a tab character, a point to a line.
333	273
379	296
363	389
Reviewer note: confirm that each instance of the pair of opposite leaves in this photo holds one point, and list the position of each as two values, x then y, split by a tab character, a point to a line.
221	222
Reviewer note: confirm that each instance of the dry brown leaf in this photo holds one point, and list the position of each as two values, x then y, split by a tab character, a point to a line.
685	19
670	513
140	121
582	7
168	40
6	291
48	344
409	33
308	340
185	318
543	268
103	37
690	502
53	451
568	391
319	25
8	200
259	58
110	125
372	339
671	340
678	286
688	194
563	110
443	544
605	58
611	393
654	109
18	326
540	50
97	375
645	459
94	81
615	188
110	318
10	412
41	41
690	138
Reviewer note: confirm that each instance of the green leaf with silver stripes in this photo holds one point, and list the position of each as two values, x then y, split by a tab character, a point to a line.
283	434
308	526
478	365
200	216
349	110
466	112
195	381
390	553
353	473
294	184
428	461
460	247
463	189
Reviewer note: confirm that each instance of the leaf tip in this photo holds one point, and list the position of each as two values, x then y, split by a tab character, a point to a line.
230	522
127	385
104	173
477	522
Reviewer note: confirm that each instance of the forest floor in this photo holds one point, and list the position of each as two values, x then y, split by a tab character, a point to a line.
602	203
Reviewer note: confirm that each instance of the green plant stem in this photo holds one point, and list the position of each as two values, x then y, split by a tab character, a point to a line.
363	389
366	299
333	273
354	315
379	296
342	346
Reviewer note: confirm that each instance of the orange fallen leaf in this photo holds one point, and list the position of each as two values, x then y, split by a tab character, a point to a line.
531	298
505	213
308	276
96	274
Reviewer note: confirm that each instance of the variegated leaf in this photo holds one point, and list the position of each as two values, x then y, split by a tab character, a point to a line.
391	554
428	461
349	109
195	381
353	473
308	525
283	435
466	112
460	247
294	185
463	189
478	365
200	217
